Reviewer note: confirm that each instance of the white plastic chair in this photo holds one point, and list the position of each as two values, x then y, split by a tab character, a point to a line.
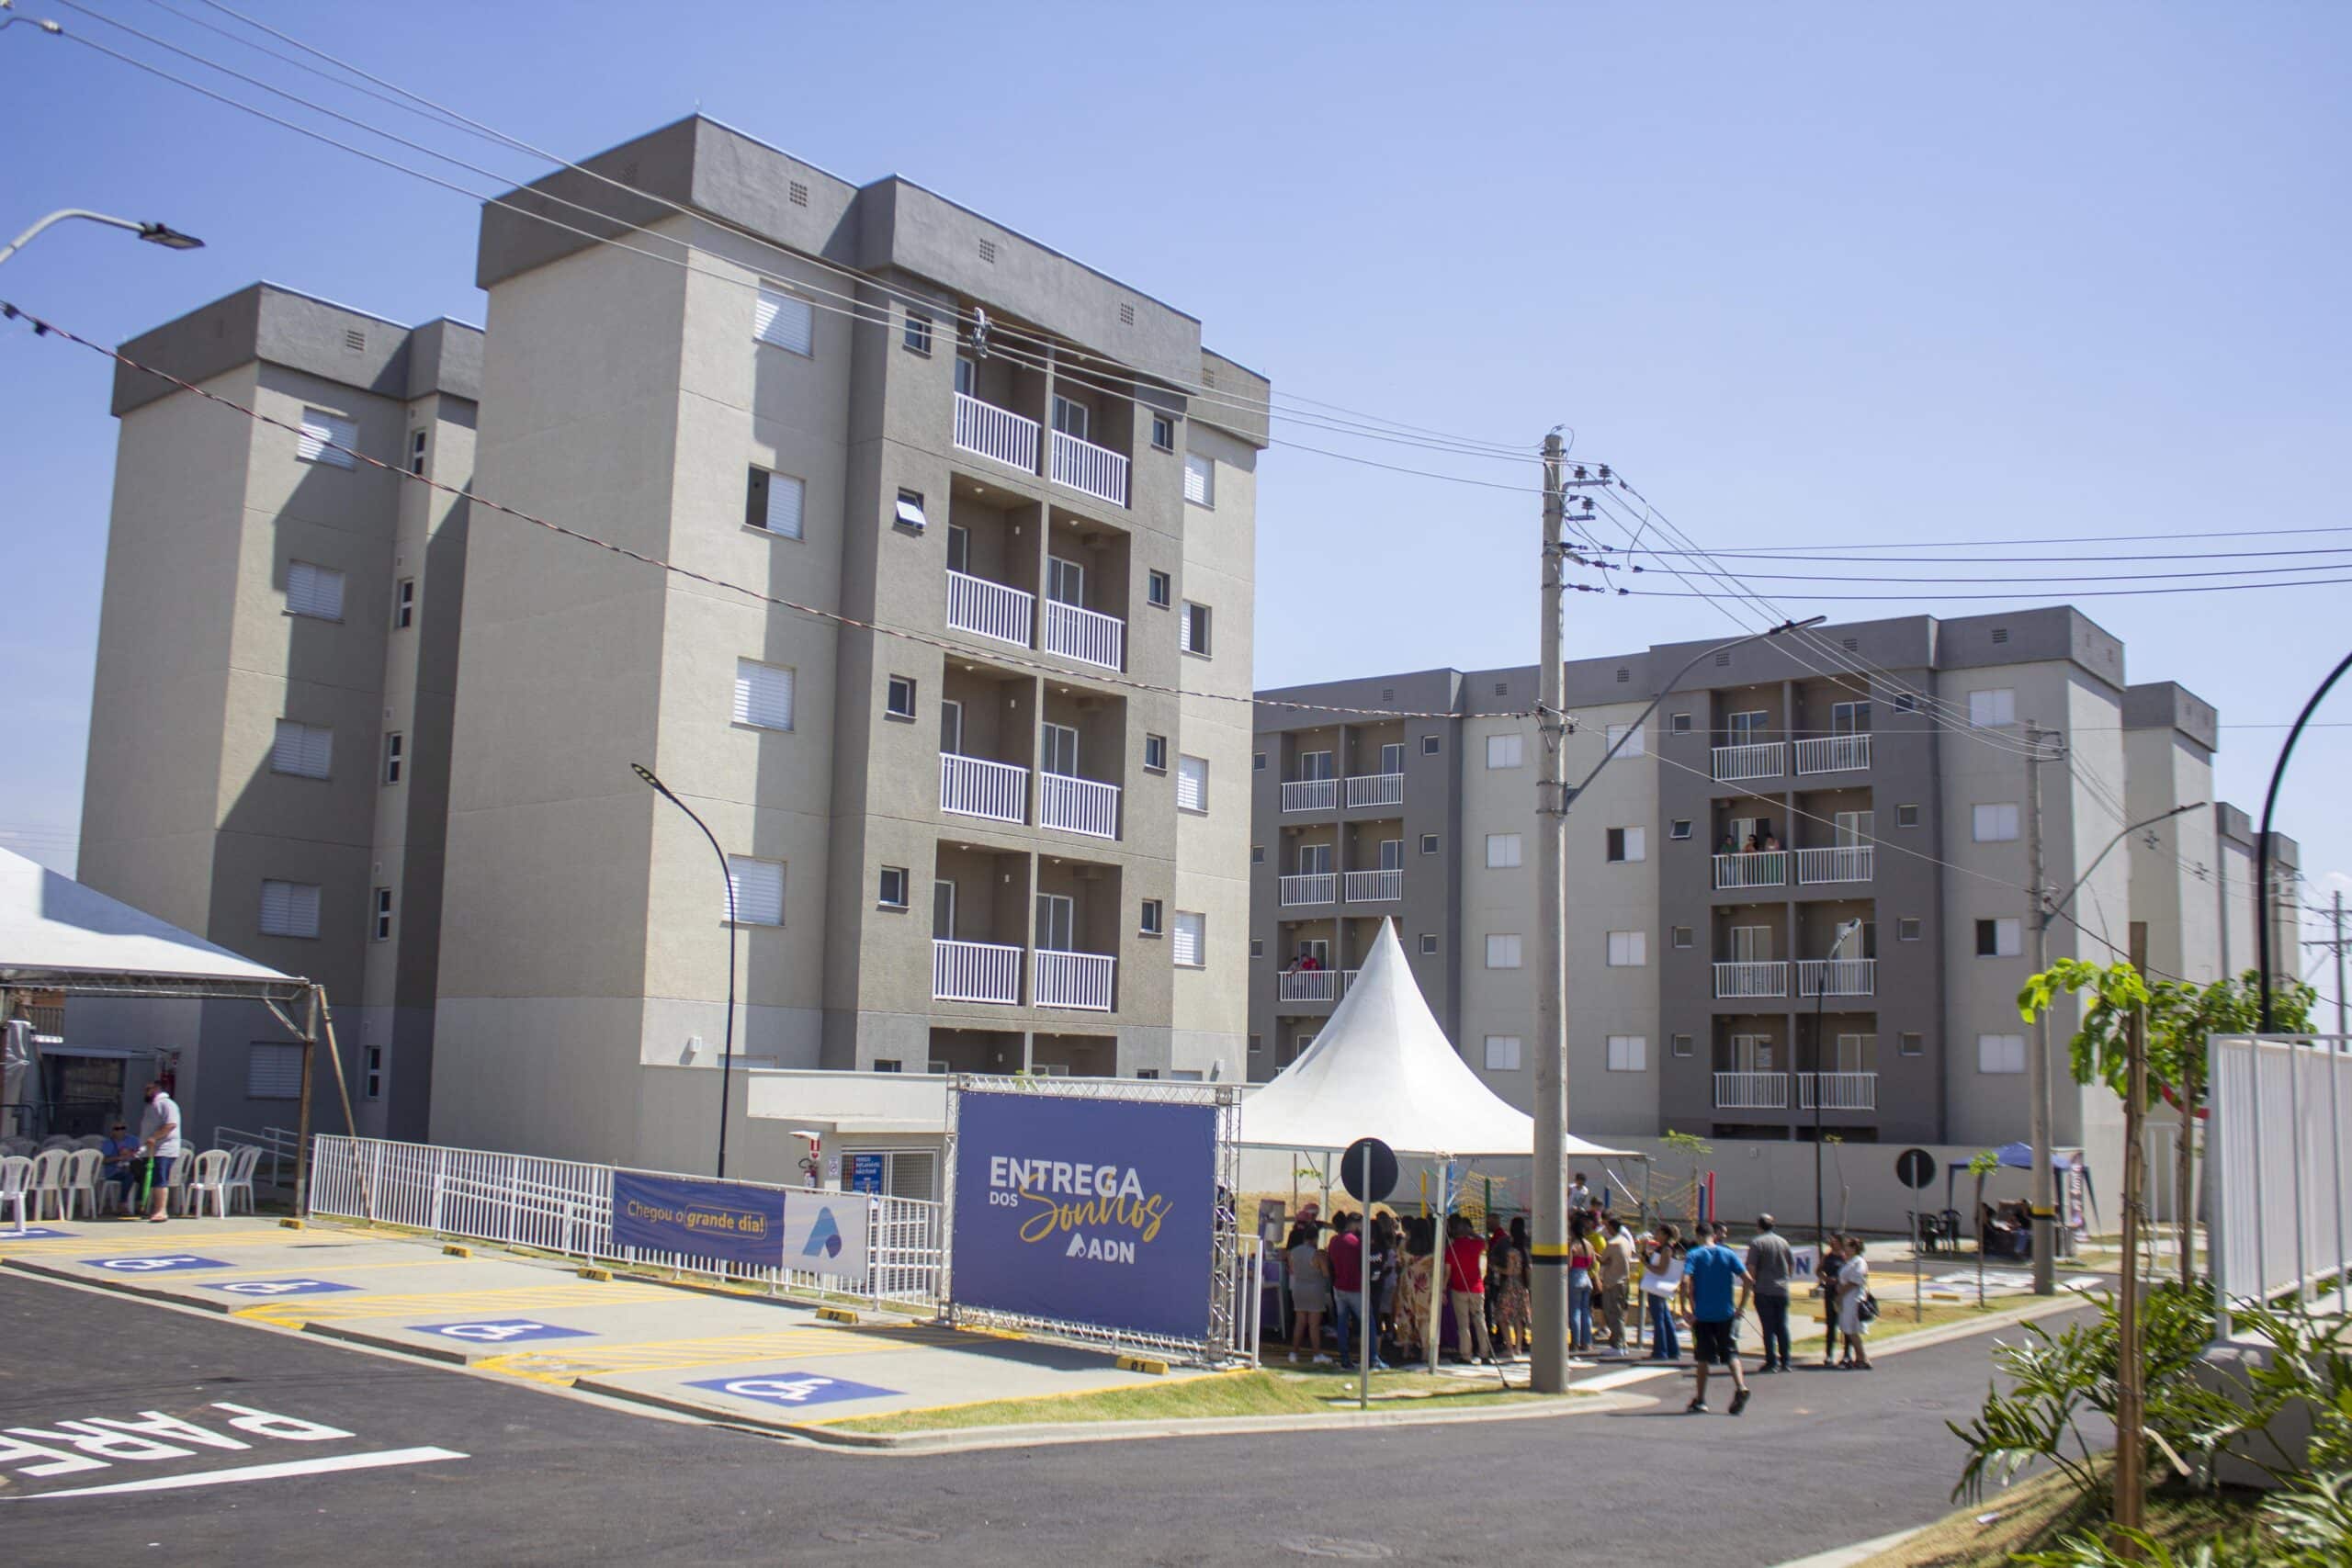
15	1184
211	1176
183	1167
49	1182
56	1141
83	1167
239	1181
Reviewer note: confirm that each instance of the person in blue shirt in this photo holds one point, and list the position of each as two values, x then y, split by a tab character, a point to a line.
121	1152
1708	1272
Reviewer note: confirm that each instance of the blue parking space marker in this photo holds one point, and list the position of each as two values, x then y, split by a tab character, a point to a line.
154	1263
794	1389
500	1331
36	1233
279	1287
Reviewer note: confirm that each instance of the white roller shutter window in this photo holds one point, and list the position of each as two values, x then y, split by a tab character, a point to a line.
319	429
785	322
763	694
290	909
313	591
1192	783
784	497
759	890
306	750
273	1072
1187	942
1200	480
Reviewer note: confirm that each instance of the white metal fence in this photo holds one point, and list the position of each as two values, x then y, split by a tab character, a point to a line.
1836	976
975	972
1309	887
566	1207
2279	1173
1752	868
1374	887
1310	794
1751	1091
1097	470
1757	759
976	605
996	433
1836	862
1074	979
1833	753
1077	805
975	787
1376	789
1087	636
1770	978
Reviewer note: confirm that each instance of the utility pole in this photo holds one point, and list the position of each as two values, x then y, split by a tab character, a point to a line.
1548	1246
2044	1189
2335	944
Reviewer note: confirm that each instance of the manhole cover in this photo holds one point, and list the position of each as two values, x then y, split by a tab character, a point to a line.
1338	1546
878	1535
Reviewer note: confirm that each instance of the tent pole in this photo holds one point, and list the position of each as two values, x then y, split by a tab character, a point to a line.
342	1089
302	1124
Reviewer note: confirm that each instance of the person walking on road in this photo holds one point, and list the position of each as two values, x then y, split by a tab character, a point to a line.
1661	1282
1853	1297
1708	1270
1771	1261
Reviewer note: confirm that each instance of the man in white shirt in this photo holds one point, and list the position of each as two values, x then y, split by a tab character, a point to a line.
159	1137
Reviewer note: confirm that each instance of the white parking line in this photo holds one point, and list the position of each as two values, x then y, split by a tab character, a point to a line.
383	1460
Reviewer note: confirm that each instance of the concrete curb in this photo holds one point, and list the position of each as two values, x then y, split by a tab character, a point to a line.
121	1286
445	1354
1848	1556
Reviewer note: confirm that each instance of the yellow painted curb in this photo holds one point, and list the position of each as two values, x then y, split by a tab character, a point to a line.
837	1315
1143	1364
453	1250
603	1274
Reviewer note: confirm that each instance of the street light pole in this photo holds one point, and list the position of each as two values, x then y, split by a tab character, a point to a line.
1820	998
726	1057
162	234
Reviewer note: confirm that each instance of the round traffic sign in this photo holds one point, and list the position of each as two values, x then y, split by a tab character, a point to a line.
1914	1168
1384	1171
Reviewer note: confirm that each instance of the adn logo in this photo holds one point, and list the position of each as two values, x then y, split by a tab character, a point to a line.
824	1236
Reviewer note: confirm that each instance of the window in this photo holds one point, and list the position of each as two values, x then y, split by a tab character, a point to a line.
1429	944
1632	735
1995	824
763	694
2000	1052
1850	719
1150	922
1906	816
1629	1053
1257	1045
1200	480
900	700
1628	950
1159	589
959	549
909	512
1749	727
1997	707
313	591
1189	945
890	1064
758	888
1256	855
1256	762
372	1083
890	889
1193	634
786	322
1192	783
773	502
1163	432
273	1072
1681	936
1681	1044
1154	754
395	749
1906	927
305	750
1070	418
1680	829
1257	947
916	339
1429	843
1682	724
1911	1044
1906	701
1502	851
404	604
1505	750
1502	1053
967	376
416	451
326	438
1431	745
383	907
290	909
1628	844
1502	952
2000	939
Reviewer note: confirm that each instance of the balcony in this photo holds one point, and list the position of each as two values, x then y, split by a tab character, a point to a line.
975	972
1763	760
1752	979
1751	1091
1311	795
1311	887
1313	985
972	786
1834	754
995	432
1837	976
1376	789
1845	862
1760	868
1085	635
1077	805
1097	470
1840	1091
1374	887
988	609
1075	980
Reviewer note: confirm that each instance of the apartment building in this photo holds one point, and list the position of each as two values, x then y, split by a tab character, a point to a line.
269	734
1796	897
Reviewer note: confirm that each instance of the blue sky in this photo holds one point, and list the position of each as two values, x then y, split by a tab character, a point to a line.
1821	273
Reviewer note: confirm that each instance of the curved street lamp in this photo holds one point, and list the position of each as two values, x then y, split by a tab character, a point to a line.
2262	848
726	1058
162	234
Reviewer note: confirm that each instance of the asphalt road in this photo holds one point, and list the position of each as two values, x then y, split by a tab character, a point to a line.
1820	1459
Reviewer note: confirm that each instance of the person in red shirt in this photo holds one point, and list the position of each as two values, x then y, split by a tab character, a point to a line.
1345	1257
1466	1290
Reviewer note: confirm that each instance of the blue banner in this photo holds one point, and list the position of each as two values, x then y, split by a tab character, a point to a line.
727	1222
1099	1211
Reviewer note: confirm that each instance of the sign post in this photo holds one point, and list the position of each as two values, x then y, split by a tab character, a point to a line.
1369	1172
1915	1168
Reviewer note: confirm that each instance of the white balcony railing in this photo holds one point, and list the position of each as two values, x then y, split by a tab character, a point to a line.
1842	862
1077	805
1752	979
1763	760
996	433
1760	868
976	605
972	786
1086	635
1097	470
1840	1091
1310	794
1312	887
1075	980
1376	789
1374	887
975	972
1313	985
1836	976
1751	1091
1833	753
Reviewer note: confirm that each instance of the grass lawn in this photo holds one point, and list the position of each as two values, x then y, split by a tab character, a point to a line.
2033	1514
1896	1319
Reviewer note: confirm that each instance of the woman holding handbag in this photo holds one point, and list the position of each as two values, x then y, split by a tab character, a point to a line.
1856	1306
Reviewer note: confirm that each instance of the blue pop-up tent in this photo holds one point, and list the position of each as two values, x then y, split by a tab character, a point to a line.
2019	1157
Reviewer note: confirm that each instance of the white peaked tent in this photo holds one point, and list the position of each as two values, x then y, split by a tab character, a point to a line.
1382	1068
57	934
